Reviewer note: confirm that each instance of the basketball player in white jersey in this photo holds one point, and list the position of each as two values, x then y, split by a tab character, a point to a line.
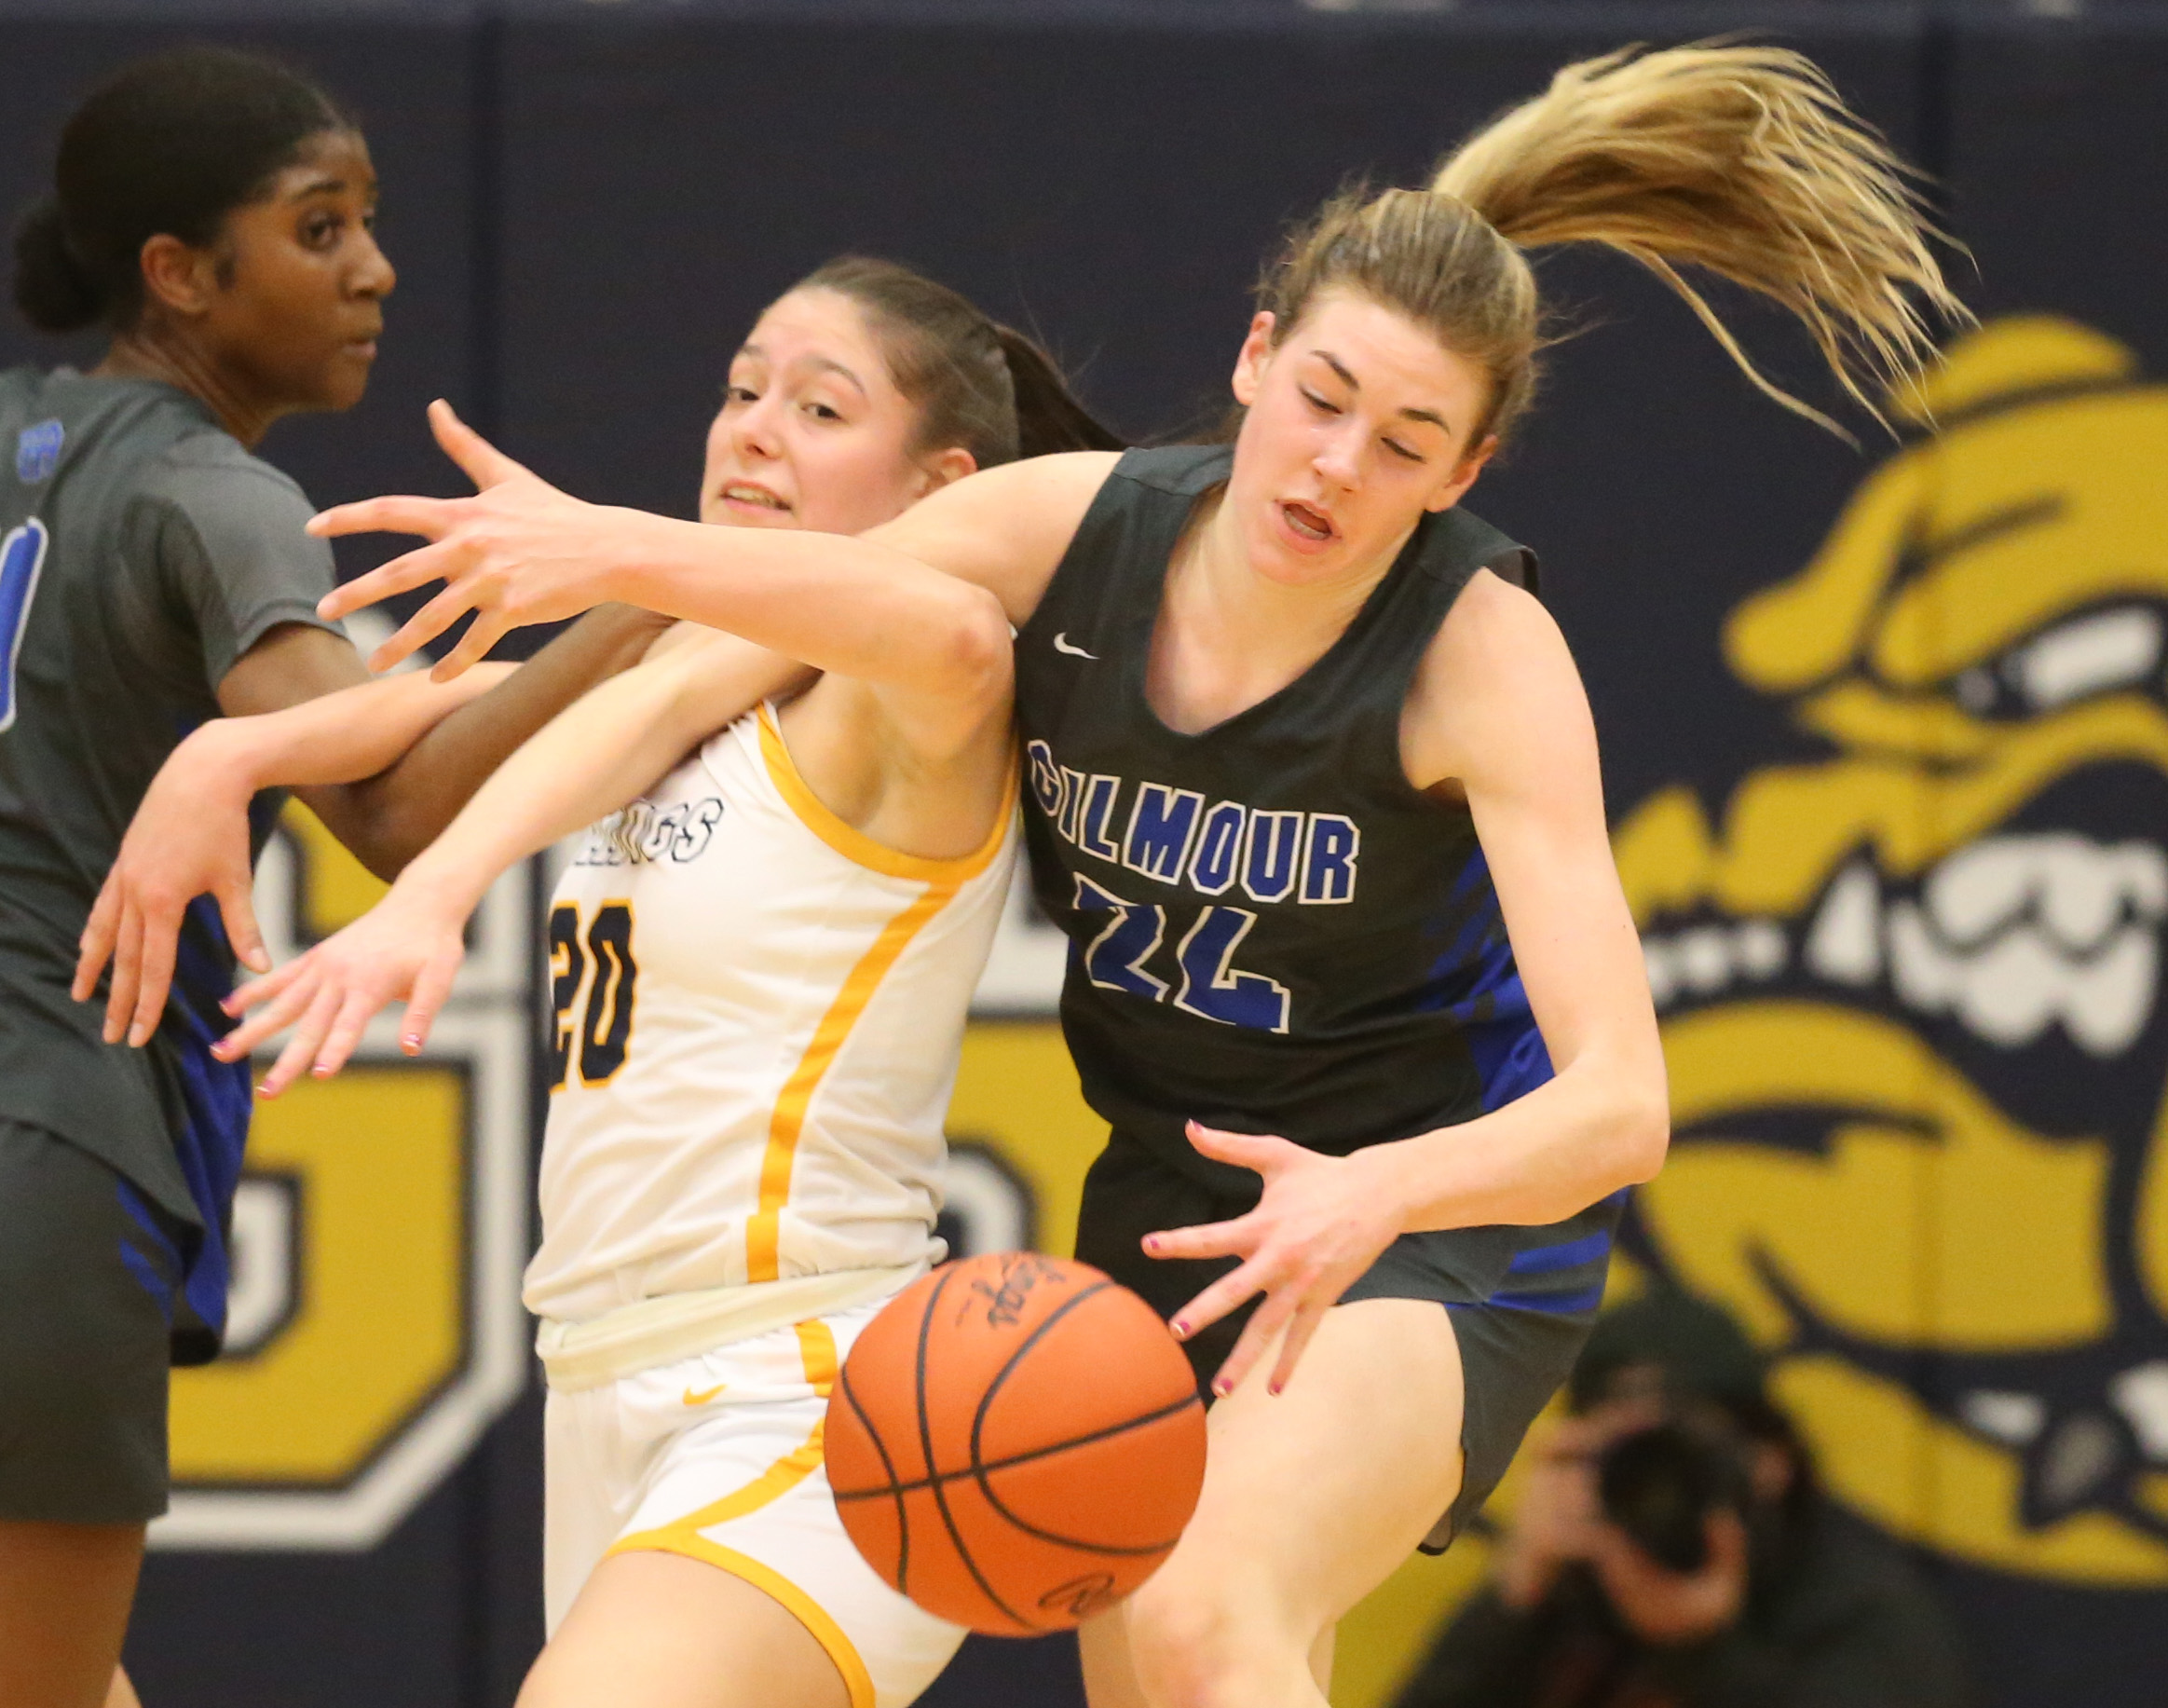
762	956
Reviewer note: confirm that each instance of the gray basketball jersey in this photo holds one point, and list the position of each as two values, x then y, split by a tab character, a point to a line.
142	550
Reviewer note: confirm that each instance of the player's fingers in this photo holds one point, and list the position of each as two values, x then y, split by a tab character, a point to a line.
344	1033
236	906
484	633
126	960
411	570
1225	1294
94	948
273	984
1293	1343
485	464
154	974
308	1033
433	987
1235	1239
1265	1327
276	1010
397	514
1260	1153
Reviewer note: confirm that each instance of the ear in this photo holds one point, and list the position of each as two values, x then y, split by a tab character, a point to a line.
177	277
1457	485
1257	352
945	470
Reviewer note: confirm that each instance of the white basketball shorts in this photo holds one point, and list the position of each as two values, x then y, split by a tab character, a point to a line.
718	1457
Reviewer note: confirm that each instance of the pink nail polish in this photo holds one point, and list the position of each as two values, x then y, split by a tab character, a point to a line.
1222	1387
1181	1329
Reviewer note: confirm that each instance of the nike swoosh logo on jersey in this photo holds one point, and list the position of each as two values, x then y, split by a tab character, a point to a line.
1061	644
705	1394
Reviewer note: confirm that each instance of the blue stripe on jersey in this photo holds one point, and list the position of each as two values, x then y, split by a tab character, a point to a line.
1474	984
1550	1260
215	1094
1551	1304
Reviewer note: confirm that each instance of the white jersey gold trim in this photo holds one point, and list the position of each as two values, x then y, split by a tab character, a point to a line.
759	1015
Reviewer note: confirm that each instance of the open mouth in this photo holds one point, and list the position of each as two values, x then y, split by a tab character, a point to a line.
1307	521
745	496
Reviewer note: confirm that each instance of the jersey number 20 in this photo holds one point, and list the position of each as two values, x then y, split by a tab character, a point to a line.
595	1040
21	556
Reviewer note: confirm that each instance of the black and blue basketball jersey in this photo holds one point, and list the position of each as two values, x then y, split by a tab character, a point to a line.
1271	929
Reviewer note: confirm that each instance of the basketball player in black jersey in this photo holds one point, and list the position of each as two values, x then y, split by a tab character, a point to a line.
1314	791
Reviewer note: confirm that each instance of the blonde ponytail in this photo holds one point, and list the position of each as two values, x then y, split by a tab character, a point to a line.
1736	161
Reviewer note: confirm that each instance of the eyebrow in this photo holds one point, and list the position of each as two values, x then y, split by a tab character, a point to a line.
330	185
1353	384
826	364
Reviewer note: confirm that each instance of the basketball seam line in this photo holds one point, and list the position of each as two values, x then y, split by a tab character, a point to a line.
887	1464
981	1469
926	1448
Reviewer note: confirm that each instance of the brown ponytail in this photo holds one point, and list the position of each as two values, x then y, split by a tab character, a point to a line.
976	384
1049	418
1740	161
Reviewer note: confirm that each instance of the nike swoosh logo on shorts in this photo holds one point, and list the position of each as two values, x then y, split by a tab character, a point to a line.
1061	644
705	1394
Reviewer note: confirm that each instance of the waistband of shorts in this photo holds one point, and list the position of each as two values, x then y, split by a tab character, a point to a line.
577	1356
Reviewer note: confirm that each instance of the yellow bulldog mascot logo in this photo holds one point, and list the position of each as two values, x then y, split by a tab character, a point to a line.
1910	976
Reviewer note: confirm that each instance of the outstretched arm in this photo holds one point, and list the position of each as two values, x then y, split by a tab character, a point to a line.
385	764
589	761
520	552
190	834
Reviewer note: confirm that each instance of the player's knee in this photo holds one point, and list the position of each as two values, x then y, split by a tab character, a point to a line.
1203	1645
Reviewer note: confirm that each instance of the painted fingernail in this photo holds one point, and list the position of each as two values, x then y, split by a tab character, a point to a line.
1222	1387
410	1044
1274	1387
1181	1329
1151	1242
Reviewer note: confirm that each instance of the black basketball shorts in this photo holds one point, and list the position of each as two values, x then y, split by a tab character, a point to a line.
1514	1356
88	1271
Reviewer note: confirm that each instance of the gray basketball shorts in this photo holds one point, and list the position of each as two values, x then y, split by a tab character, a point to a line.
1522	1300
88	1271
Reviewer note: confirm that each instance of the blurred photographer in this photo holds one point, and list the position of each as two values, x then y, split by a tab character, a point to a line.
1670	1550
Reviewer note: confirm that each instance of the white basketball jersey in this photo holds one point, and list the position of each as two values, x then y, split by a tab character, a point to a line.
757	1015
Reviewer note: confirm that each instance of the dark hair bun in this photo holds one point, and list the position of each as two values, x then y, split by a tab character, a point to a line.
167	146
51	288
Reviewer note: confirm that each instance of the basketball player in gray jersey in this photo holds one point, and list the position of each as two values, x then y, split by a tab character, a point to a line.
215	211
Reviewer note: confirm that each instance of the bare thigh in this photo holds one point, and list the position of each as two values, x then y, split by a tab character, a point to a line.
654	1630
65	1591
1311	1499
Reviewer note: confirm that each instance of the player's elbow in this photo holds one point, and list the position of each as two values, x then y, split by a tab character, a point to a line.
974	656
1640	1129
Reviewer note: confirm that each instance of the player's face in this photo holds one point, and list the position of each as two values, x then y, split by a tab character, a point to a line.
1358	422
813	433
301	282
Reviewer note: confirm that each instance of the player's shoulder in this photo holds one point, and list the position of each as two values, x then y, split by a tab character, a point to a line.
207	475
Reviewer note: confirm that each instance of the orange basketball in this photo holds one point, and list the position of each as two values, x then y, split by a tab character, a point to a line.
1016	1442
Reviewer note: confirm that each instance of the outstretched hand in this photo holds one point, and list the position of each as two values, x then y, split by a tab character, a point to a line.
405	948
189	838
519	551
1321	1222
